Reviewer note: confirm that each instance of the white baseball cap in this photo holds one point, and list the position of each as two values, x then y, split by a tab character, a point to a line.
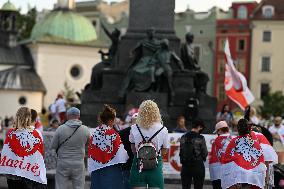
219	125
134	116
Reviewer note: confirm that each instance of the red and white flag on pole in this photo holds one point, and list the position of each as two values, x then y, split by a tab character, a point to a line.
235	83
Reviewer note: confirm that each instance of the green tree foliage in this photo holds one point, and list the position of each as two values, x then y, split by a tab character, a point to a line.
25	23
273	105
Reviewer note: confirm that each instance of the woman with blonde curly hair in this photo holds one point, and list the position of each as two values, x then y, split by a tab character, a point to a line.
22	154
148	133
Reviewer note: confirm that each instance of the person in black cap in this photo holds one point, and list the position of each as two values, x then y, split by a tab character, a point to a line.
193	153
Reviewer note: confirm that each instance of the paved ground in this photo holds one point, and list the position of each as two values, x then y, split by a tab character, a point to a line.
3	185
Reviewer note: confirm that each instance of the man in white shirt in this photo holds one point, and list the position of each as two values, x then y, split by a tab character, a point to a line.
276	130
60	105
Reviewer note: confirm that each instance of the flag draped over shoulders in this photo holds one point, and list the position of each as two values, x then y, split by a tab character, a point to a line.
243	162
105	148
268	151
22	155
217	151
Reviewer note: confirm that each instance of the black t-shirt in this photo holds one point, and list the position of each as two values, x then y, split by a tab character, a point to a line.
192	148
124	135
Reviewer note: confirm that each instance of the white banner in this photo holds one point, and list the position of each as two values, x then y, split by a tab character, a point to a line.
172	164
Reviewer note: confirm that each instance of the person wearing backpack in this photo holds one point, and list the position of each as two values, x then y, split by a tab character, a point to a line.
149	142
193	154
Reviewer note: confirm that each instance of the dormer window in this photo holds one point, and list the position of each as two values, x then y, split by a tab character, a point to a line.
268	11
242	12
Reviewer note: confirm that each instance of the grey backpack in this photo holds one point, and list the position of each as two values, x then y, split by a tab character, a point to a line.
147	155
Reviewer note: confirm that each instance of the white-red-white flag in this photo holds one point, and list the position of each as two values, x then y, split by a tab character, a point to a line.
235	83
105	148
268	151
22	155
217	151
243	162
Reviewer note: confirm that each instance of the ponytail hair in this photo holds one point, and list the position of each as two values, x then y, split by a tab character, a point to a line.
243	127
107	114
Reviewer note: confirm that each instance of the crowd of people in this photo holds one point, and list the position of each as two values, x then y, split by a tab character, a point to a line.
128	158
128	153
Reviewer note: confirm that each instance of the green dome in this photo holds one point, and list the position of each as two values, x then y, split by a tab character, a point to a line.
8	6
64	25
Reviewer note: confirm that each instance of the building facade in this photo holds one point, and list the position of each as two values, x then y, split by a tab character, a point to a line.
203	26
238	31
64	48
267	52
57	58
20	85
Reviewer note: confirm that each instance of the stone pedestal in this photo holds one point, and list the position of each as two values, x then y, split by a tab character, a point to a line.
152	13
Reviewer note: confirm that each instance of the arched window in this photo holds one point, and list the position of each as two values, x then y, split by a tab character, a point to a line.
22	100
76	72
242	12
268	11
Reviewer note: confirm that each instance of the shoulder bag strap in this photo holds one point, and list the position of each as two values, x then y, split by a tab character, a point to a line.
67	139
144	140
156	134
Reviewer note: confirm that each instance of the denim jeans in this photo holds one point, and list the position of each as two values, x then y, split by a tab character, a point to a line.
107	178
126	174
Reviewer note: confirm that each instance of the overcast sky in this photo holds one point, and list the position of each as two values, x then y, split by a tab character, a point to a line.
197	5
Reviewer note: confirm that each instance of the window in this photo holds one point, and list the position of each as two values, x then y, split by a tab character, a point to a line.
265	64
22	100
221	44
266	37
221	66
76	72
221	91
123	30
264	89
242	45
241	65
94	23
188	28
268	11
242	12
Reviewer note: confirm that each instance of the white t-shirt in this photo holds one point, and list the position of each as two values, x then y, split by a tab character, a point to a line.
53	108
274	130
160	140
60	105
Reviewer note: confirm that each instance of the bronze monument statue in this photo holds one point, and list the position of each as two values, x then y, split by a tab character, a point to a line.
141	73
114	37
188	56
149	72
152	62
164	58
108	58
